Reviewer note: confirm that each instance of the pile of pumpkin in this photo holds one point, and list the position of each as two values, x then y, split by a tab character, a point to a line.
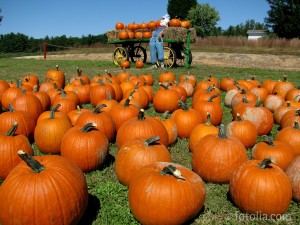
141	30
75	140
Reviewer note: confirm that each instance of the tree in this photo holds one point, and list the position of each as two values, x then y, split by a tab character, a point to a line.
241	29
284	17
180	8
204	19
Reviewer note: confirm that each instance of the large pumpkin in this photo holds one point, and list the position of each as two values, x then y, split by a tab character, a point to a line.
260	187
293	173
86	146
45	190
217	156
56	76
141	126
165	193
137	153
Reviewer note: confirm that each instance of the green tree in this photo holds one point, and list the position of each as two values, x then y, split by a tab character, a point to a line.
180	8
204	19
241	29
283	18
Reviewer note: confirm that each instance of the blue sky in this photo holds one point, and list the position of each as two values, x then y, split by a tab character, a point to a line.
74	18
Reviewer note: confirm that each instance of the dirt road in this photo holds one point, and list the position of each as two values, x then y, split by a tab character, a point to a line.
264	61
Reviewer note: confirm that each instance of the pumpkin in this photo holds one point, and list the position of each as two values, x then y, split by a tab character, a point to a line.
185	24
86	146
123	112
123	34
43	97
26	123
200	131
147	34
225	82
85	78
280	111
119	26
260	187
216	156
273	102
177	194
185	119
244	130
165	99
293	173
100	91
137	153
74	114
175	22
151	24
170	126
282	87
139	63
166	77
56	76
83	92
57	184
125	64
141	126
66	102
281	152
48	133
288	119
9	95
10	144
3	86
290	135
103	119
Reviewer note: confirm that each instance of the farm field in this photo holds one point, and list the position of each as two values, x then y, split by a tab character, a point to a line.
108	199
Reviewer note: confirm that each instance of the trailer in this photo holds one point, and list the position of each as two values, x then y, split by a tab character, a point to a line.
176	52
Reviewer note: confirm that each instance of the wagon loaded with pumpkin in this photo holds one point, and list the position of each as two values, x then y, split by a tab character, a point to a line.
131	42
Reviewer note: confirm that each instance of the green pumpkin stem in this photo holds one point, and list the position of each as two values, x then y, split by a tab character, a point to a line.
31	162
172	170
222	132
126	103
212	97
208	120
12	130
296	125
164	115
151	140
98	108
265	163
183	105
141	114
269	140
88	127
11	108
53	110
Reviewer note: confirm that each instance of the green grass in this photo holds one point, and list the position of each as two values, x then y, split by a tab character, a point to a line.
108	202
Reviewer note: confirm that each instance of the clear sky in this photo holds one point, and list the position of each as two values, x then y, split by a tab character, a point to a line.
74	18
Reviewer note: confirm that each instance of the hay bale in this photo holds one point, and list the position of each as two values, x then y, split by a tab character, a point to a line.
112	35
179	33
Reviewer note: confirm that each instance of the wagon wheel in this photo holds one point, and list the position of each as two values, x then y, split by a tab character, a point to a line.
120	54
181	61
138	53
169	57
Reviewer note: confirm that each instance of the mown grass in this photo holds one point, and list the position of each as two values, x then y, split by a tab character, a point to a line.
108	202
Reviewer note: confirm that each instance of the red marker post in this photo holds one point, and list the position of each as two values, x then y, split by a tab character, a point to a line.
45	50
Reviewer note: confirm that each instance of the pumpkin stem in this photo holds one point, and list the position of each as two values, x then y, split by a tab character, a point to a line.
151	140
11	108
12	130
172	170
141	114
210	88
53	110
296	125
126	103
222	132
212	97
98	108
265	163
269	140
238	117
31	162
88	127
164	115
208	120
183	105
164	86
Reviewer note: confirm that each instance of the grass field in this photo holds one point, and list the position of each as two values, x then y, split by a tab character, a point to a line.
108	202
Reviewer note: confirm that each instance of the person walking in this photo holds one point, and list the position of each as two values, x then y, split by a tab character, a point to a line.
157	43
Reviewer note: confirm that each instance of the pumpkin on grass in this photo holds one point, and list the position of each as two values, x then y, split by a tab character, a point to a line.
293	173
10	144
86	146
260	187
43	190
217	156
166	193
136	153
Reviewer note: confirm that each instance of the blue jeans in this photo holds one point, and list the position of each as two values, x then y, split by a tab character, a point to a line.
156	47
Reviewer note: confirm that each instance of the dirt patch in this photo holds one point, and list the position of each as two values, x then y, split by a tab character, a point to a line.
263	61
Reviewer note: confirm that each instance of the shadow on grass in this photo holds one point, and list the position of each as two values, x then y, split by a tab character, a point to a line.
91	211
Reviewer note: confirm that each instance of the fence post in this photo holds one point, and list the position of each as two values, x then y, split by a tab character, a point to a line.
45	50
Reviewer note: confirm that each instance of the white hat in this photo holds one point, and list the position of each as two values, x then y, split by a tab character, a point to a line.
166	16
